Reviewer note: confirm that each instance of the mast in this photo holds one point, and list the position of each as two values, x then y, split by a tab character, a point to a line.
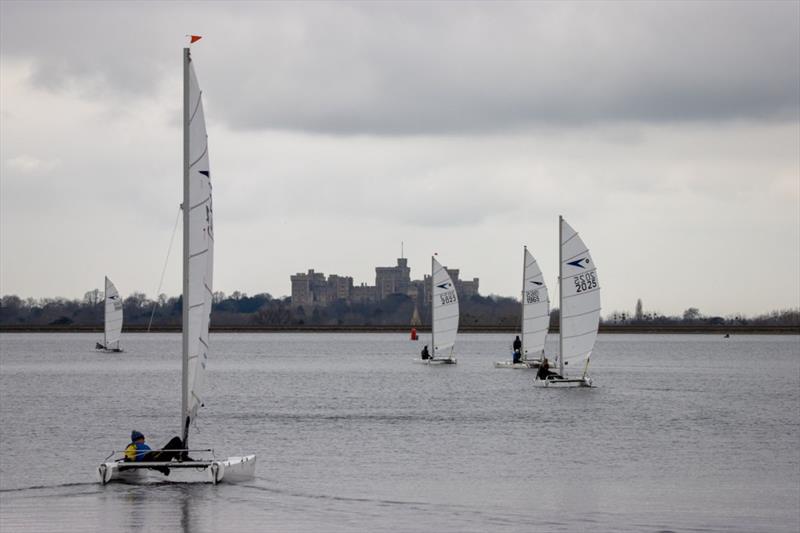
433	318
184	428
105	315
560	296
522	304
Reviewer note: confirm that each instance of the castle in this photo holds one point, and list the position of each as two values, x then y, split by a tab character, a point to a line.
314	289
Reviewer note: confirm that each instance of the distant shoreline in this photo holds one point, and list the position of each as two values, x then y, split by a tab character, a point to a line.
638	328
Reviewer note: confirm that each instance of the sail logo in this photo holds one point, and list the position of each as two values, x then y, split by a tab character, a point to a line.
537	283
113	297
577	262
444	286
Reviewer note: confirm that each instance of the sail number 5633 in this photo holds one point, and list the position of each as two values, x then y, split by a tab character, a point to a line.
448	297
585	282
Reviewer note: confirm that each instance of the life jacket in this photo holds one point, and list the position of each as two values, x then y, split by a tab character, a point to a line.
136	452
130	452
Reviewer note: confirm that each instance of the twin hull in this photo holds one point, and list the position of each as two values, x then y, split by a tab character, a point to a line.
231	470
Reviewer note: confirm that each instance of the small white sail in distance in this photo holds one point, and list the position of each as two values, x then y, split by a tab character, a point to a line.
113	317
580	297
444	305
535	309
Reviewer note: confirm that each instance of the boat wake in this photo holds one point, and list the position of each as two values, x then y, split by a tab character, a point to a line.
46	487
329	497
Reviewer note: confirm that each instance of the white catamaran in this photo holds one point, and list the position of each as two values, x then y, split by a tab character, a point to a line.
113	320
535	315
198	266
579	308
444	310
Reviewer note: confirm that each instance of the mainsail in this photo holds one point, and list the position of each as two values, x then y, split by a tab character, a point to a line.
445	311
198	246
580	297
535	308
113	317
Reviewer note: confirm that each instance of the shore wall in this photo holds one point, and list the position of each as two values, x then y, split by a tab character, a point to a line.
638	328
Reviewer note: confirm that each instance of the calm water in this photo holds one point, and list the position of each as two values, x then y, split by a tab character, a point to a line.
683	433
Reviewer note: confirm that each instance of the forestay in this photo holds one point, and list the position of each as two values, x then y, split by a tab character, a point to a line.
580	296
445	311
535	309
198	248
113	317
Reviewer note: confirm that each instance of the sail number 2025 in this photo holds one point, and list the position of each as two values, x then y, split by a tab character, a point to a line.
448	297
585	282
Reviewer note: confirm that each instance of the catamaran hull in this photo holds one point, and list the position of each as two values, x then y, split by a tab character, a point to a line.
437	361
518	366
230	470
563	383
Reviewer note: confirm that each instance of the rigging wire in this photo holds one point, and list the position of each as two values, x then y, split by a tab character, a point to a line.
164	270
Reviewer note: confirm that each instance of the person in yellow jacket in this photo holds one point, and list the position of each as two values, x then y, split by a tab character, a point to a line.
137	449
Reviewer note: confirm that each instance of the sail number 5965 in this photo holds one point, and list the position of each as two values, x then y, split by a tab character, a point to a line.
585	282
448	297
532	296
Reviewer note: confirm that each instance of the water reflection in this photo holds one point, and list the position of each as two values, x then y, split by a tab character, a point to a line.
168	507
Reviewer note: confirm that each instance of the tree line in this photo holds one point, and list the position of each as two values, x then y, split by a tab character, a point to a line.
240	310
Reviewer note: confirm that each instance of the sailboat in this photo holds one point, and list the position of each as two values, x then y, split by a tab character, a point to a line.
113	320
579	308
198	266
444	310
535	315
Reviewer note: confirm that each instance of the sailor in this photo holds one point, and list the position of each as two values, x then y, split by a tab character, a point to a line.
138	451
544	370
517	350
424	353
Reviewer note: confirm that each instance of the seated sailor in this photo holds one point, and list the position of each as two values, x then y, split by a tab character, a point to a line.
544	370
424	353
138	451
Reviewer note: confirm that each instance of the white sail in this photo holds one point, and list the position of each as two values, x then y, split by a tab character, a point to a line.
580	297
198	247
535	309
198	252
113	317
445	311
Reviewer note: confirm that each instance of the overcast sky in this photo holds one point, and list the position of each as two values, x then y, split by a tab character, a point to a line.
667	134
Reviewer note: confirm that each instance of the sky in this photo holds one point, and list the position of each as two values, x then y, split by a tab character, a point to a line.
666	133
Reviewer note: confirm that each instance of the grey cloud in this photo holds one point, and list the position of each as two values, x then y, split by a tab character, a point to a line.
430	68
